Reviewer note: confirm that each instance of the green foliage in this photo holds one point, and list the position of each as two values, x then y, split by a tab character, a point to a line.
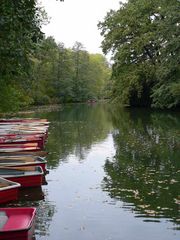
37	70
80	78
99	74
12	97
19	32
144	39
67	75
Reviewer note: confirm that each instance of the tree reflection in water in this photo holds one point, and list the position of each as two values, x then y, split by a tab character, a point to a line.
74	130
145	170
45	213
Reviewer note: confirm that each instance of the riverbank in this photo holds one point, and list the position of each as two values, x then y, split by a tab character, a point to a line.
33	109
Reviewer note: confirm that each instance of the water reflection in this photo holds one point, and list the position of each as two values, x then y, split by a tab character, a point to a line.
142	177
31	194
145	170
74	129
45	213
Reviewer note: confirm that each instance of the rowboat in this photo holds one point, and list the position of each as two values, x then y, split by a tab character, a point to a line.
22	143
13	136
33	126
19	148
26	176
17	223
8	190
22	129
4	134
23	161
21	120
22	140
25	153
14	150
18	145
30	123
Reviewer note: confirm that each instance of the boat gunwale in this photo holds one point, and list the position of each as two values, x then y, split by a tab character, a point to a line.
13	184
10	164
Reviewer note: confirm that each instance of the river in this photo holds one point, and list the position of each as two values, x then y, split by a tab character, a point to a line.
113	175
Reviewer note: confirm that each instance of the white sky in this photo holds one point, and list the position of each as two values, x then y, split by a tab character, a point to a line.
76	20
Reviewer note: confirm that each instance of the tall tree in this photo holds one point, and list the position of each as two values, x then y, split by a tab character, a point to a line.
61	75
144	39
81	62
99	74
20	23
43	71
65	71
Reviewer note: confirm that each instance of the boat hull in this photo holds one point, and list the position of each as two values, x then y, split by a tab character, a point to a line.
37	142
28	181
8	195
9	192
18	149
18	235
26	176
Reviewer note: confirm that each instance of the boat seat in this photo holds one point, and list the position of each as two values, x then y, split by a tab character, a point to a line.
11	172
15	222
3	219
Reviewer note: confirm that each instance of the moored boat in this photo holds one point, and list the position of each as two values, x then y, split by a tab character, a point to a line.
23	161
18	145
20	141
8	190
25	153
13	136
17	223
17	120
14	149
26	176
11	131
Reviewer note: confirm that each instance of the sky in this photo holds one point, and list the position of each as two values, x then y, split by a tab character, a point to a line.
76	20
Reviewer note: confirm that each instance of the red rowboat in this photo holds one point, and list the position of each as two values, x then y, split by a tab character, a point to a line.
22	143
17	223
23	130
12	142
18	145
21	120
22	161
8	190
26	176
11	136
18	149
25	153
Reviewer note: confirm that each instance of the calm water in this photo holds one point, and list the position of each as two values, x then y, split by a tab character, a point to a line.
114	175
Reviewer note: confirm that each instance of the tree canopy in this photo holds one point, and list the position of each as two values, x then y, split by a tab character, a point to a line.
144	37
20	30
61	75
38	70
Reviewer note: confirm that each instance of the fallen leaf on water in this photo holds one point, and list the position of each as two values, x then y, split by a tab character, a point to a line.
173	181
143	206
82	228
177	201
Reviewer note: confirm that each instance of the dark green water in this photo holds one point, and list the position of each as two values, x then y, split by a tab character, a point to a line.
114	175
